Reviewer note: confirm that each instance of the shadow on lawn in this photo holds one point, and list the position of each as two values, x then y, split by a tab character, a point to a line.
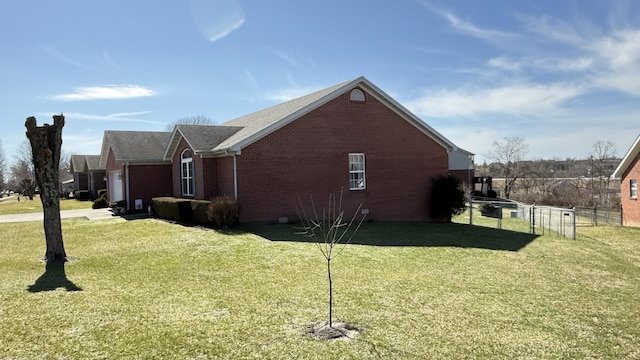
54	277
413	234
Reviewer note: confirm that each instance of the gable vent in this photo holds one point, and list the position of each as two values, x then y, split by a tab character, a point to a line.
356	95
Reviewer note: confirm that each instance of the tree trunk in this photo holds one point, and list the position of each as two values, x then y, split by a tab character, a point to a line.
330	292
46	142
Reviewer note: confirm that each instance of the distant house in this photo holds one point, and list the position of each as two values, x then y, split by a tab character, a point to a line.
87	174
628	171
461	165
135	167
350	136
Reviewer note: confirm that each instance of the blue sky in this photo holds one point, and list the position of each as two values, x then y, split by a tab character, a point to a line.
559	74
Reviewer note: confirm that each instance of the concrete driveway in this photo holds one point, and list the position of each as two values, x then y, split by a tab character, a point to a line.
91	214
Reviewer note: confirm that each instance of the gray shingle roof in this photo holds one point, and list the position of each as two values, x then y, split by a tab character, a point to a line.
135	146
206	137
260	121
85	163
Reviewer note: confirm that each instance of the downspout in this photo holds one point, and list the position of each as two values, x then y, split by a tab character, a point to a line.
126	177
235	178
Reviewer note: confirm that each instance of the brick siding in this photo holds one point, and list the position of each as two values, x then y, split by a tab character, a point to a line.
309	156
630	207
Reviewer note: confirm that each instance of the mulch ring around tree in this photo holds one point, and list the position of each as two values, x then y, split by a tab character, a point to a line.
338	330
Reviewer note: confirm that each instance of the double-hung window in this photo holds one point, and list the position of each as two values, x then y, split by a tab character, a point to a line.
186	173
357	178
633	188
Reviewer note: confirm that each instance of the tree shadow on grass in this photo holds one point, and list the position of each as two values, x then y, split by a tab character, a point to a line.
417	234
54	277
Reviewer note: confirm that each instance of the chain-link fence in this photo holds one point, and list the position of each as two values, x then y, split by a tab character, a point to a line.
595	217
541	219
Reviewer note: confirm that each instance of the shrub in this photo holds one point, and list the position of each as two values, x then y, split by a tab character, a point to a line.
224	212
102	192
489	210
447	198
100	202
166	207
119	203
200	211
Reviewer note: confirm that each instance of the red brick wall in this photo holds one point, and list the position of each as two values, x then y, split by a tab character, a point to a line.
147	182
205	173
310	156
630	207
225	177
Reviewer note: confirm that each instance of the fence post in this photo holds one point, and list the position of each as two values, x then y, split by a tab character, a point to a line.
470	210
532	217
574	223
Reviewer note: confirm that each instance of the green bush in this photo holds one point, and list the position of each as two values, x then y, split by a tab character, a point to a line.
100	202
102	192
447	198
224	212
200	211
166	207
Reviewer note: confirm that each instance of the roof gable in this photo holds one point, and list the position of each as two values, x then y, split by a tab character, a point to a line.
627	160
201	138
85	163
134	146
263	122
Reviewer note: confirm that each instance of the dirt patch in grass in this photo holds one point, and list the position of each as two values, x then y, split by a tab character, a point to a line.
337	330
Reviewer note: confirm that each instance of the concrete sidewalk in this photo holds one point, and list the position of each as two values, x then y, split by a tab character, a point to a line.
90	214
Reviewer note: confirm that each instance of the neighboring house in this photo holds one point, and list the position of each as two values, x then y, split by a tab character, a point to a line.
87	174
350	136
628	171
461	165
136	170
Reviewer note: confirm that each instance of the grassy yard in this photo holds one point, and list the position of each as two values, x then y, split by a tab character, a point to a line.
151	289
11	205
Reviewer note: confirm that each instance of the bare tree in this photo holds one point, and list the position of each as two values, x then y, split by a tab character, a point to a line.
191	120
328	230
23	178
3	168
46	142
509	155
602	164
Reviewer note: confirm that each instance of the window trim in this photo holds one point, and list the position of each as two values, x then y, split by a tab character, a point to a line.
187	178
633	188
354	160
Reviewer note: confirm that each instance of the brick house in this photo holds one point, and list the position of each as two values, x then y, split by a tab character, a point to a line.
135	168
628	171
350	136
87	174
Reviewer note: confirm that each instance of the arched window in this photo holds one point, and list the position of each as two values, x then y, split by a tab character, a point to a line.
186	173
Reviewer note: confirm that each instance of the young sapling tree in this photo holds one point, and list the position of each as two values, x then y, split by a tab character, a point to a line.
328	229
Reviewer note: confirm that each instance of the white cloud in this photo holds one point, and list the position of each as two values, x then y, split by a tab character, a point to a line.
217	19
117	117
523	99
106	92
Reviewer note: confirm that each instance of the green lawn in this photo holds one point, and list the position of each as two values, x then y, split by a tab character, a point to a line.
11	205
151	289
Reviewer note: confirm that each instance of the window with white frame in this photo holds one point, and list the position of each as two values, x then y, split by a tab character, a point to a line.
357	179
186	173
633	187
